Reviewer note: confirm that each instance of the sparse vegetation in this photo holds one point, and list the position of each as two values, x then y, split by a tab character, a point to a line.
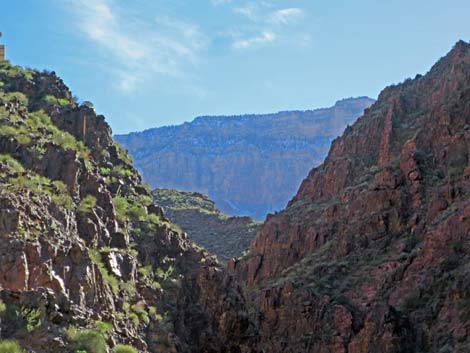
105	171
13	96
20	134
87	204
32	318
122	153
40	185
11	163
86	340
6	68
121	172
121	348
197	215
38	126
52	100
8	346
134	209
103	327
184	200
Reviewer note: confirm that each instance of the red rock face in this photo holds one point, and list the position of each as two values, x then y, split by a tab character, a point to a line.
64	264
372	254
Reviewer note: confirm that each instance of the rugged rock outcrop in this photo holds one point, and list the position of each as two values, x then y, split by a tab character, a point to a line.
86	260
222	235
249	165
373	253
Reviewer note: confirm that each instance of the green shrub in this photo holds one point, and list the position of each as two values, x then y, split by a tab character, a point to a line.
8	69
122	348
103	327
32	318
18	96
3	307
10	347
39	185
20	134
121	206
105	171
52	100
145	200
137	211
134	318
87	204
128	288
120	171
11	163
141	313
87	340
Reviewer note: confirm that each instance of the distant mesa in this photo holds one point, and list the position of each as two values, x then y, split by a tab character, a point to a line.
250	165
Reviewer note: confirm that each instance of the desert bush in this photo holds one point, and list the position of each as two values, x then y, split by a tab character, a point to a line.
52	100
10	347
122	348
87	204
40	185
103	327
86	340
11	163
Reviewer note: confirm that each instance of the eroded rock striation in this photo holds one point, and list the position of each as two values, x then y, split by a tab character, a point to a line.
372	254
249	165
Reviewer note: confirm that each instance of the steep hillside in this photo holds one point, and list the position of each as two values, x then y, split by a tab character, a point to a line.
86	260
249	165
227	237
371	256
373	253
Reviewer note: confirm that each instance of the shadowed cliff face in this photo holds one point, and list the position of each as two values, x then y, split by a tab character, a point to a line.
372	254
249	165
86	260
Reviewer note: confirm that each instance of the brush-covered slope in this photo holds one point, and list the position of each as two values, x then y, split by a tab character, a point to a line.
249	165
87	262
222	235
373	253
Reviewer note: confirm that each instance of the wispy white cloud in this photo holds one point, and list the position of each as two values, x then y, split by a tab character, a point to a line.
248	11
136	49
263	38
267	25
285	16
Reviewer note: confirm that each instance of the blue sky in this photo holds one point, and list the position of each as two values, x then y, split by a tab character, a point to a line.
147	63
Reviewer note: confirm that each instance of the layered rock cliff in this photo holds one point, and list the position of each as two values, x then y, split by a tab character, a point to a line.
86	260
373	253
250	164
222	235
